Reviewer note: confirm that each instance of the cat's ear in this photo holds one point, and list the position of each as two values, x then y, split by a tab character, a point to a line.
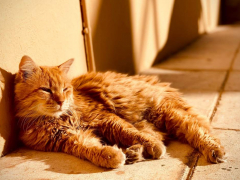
27	67
64	67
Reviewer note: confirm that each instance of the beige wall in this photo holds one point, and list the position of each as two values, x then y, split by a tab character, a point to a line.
110	23
132	35
49	31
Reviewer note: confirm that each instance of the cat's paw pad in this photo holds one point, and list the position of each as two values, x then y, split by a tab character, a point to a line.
112	157
215	154
154	150
134	154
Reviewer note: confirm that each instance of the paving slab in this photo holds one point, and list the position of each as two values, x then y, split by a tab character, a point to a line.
201	56
229	170
194	62
227	115
233	83
213	51
203	101
190	80
223	35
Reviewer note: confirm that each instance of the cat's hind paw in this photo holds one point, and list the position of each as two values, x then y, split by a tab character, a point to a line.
215	155
154	150
134	154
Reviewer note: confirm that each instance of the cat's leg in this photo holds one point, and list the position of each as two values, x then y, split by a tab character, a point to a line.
135	153
82	144
120	132
148	128
187	125
87	146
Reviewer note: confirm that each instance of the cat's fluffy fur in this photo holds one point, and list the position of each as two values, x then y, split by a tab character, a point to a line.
78	116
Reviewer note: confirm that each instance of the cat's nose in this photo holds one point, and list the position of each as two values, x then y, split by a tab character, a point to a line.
60	102
59	99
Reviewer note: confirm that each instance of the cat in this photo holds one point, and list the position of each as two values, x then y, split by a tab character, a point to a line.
97	115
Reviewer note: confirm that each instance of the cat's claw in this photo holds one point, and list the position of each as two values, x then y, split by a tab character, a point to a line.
215	155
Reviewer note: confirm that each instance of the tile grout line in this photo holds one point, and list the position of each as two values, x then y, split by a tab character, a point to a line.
192	169
221	90
230	129
191	165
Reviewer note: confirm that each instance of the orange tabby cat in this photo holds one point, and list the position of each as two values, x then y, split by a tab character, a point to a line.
56	114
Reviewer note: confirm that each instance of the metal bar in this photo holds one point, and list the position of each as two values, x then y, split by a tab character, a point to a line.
87	37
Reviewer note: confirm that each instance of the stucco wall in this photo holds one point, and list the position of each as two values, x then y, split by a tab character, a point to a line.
131	35
47	31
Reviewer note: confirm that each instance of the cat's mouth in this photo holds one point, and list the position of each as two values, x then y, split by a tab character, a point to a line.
55	110
59	109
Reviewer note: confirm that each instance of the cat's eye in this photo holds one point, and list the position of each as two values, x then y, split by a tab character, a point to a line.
46	89
65	89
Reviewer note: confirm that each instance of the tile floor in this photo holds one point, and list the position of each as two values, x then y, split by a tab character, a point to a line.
208	73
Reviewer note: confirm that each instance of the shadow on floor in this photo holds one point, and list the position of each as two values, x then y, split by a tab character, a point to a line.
68	164
57	162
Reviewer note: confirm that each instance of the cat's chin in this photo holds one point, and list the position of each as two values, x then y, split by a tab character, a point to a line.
57	114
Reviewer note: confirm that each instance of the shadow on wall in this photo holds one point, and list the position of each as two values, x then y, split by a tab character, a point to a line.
112	41
183	28
8	130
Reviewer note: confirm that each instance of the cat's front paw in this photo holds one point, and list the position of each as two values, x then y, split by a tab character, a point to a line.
215	154
154	150
111	157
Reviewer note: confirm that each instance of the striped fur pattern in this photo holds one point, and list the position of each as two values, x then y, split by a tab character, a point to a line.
97	115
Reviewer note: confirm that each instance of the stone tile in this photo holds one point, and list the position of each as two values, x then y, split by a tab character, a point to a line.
203	101
189	62
227	115
29	164
190	80
227	36
236	64
228	170
233	83
201	56
213	51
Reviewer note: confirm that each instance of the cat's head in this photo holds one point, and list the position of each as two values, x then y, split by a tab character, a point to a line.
42	91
